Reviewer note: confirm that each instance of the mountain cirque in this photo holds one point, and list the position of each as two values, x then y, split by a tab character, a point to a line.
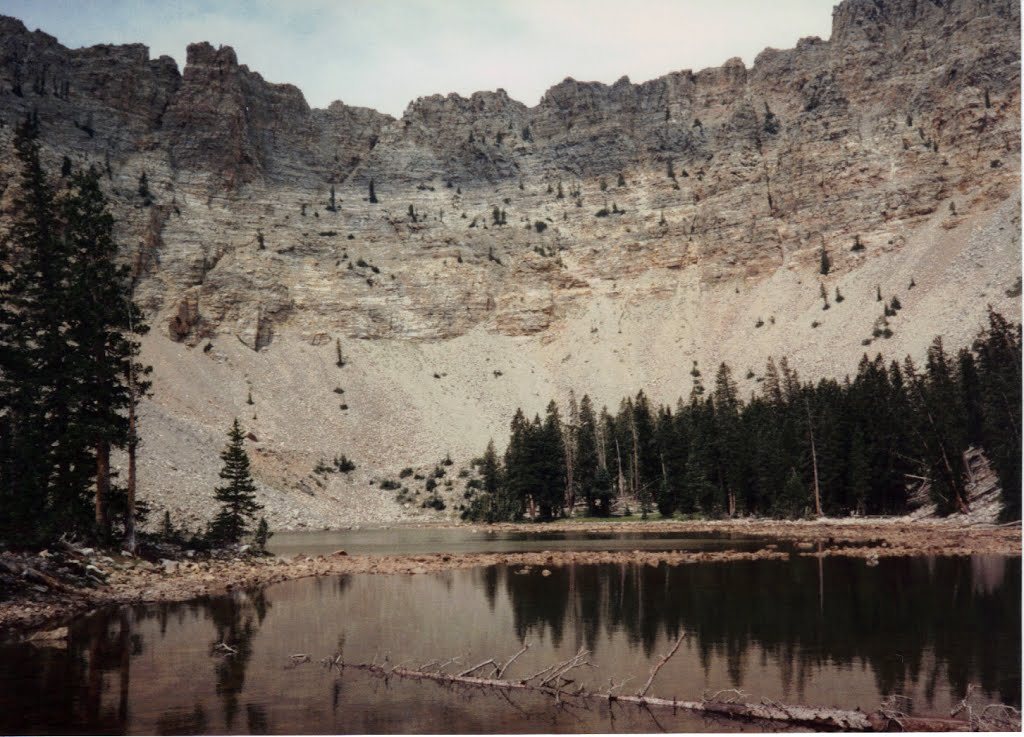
693	212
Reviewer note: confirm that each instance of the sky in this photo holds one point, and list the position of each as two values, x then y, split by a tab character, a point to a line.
385	53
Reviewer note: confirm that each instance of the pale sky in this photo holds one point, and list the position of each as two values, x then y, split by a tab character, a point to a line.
385	53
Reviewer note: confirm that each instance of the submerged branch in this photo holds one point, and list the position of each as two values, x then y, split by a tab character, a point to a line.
822	718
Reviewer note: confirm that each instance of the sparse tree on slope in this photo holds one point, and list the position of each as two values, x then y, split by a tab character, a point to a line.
238	495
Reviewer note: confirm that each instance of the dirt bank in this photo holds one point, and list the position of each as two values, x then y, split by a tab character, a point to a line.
48	602
850	536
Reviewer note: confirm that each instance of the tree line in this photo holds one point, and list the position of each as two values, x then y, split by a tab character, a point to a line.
856	446
70	377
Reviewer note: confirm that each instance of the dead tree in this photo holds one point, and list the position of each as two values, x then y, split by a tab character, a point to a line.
554	681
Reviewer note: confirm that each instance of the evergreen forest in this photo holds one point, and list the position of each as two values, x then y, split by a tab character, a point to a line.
70	378
864	445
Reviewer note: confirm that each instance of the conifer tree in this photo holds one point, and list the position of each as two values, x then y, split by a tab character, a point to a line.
603	491
262	536
550	463
32	275
999	367
68	369
238	495
586	455
104	326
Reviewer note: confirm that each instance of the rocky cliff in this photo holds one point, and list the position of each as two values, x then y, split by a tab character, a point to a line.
602	240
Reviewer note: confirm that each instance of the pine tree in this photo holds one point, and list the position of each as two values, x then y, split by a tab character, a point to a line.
999	366
520	480
586	455
68	371
603	491
550	463
262	536
494	503
32	350
238	495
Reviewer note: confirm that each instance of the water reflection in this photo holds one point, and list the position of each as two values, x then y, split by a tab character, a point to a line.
964	613
829	632
236	619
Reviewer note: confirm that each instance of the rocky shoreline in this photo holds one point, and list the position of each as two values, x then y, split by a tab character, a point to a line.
38	605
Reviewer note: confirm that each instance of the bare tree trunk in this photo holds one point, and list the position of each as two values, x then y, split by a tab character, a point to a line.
551	681
133	441
569	431
618	459
102	484
814	460
635	480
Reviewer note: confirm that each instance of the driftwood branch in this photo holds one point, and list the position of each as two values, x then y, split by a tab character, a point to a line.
656	668
489	661
820	718
510	661
225	648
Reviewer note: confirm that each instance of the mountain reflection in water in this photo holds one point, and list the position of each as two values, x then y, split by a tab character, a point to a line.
832	632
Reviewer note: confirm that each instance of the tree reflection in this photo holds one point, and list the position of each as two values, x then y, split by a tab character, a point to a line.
236	619
66	684
957	616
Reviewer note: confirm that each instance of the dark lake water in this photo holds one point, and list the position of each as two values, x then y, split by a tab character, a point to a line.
425	540
832	632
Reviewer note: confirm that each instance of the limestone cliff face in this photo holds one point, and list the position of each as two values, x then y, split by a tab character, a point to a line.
602	239
911	107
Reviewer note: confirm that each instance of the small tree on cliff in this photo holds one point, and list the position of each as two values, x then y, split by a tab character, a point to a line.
238	495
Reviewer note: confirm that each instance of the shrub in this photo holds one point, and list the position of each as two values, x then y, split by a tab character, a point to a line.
430	485
343	464
405	473
433	502
390	485
540	226
826	263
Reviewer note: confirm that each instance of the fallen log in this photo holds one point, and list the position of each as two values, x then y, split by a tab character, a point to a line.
821	718
39	577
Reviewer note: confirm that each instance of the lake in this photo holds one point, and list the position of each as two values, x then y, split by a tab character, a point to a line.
831	632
